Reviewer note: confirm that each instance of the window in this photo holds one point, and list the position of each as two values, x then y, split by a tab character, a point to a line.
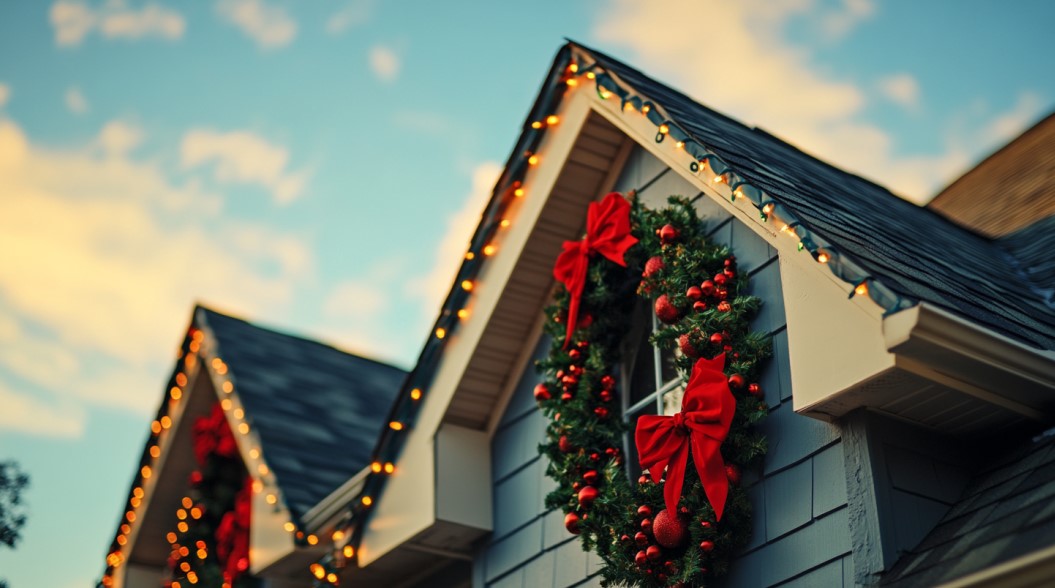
652	384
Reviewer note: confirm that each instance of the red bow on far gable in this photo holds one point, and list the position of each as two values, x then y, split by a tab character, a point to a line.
707	410
607	233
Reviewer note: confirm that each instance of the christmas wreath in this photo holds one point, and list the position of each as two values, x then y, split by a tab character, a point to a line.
677	525
210	545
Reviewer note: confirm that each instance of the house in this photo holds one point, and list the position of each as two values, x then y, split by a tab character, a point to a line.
906	400
299	419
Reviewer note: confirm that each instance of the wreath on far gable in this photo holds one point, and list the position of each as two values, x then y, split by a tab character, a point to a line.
687	515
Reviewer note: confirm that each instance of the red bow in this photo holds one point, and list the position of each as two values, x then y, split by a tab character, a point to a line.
607	233
707	410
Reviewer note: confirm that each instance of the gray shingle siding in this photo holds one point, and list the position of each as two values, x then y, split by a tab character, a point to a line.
801	522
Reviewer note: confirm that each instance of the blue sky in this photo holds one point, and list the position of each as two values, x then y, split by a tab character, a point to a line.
318	166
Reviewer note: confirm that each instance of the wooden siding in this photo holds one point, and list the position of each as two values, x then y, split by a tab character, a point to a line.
801	522
1010	189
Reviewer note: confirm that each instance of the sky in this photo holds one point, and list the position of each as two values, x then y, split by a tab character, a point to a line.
318	166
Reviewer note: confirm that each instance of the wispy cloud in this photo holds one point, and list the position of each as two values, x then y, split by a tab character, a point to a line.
384	62
28	414
270	26
353	14
902	89
75	100
244	157
762	78
100	303
1007	125
432	287
73	20
836	24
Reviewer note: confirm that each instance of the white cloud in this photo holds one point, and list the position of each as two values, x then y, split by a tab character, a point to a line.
109	273
244	157
902	89
355	299
28	414
354	13
1010	124
118	138
761	78
384	63
73	20
5	94
270	26
75	100
837	23
432	288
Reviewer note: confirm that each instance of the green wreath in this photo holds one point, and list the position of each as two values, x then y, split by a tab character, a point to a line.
700	300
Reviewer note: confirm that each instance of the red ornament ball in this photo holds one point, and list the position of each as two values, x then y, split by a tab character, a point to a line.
644	479
644	510
708	288
686	346
601	412
729	273
564	444
724	306
736	381
571	523
755	390
566	396
707	546
605	396
665	310
705	524
730	261
646	524
720	279
669	530
699	306
668	234
574	355
542	392
641	539
733	473
595	456
641	559
717	338
587	495
590	477
608	382
693	293
653	552
653	266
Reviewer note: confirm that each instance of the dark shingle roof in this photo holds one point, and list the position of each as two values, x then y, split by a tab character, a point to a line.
1006	512
316	409
914	251
1033	248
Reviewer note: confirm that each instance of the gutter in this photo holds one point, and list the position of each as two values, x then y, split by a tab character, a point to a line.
1035	569
937	344
329	508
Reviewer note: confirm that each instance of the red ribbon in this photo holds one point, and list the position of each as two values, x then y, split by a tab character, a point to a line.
706	413
607	233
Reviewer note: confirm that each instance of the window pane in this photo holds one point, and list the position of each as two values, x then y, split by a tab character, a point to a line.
633	468
640	356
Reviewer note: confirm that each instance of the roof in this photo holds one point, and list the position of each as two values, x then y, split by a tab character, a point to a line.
984	199
1031	248
1006	512
915	252
317	410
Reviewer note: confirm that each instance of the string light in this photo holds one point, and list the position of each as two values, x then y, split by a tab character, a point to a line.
271	499
367	501
470	255
861	289
337	535
349	551
389	468
396	426
441	333
533	160
552	120
467	285
313	540
519	192
823	257
505	223
228	387
463	314
176	393
415	394
288	526
489	250
375	467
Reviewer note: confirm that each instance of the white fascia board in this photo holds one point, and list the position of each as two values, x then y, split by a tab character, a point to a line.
408	504
963	355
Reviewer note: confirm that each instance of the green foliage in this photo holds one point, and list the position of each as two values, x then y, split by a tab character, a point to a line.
580	440
13	481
